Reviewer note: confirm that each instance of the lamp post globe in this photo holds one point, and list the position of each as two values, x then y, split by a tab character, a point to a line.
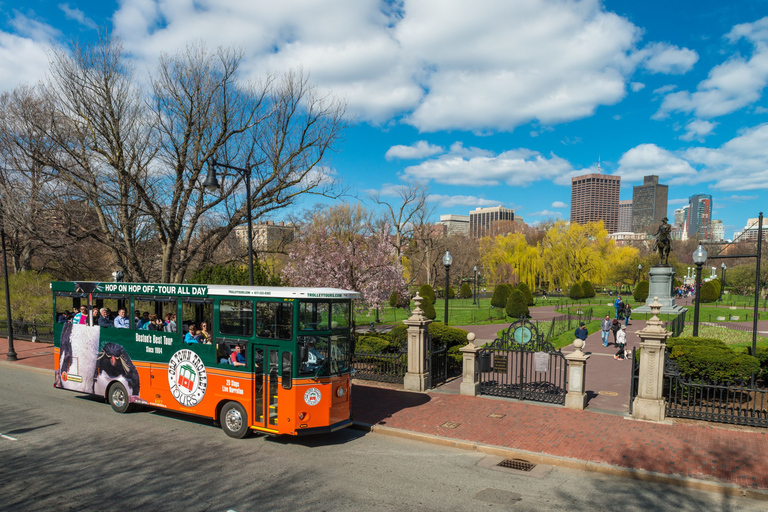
699	258
447	260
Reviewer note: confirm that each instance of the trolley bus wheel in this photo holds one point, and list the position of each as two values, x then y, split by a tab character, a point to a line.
118	398
234	420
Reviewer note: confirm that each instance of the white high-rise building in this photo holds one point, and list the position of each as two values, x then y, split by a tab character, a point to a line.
717	230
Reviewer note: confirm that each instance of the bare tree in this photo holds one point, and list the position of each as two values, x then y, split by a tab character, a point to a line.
134	156
401	215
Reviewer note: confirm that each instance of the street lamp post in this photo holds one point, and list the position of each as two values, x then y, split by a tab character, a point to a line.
722	280
699	258
639	269
474	293
447	260
11	356
212	185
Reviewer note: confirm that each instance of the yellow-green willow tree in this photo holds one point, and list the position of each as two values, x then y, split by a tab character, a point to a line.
508	258
575	253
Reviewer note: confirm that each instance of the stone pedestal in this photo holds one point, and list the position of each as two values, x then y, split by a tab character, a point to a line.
649	403
662	277
417	378
576	398
470	385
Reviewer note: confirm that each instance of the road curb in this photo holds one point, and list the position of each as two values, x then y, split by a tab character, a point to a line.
713	486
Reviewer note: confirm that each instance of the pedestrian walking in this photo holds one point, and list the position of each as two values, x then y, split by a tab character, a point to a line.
615	327
617	305
622	342
581	333
605	327
627	313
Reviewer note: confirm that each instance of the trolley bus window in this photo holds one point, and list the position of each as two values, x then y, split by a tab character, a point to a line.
153	309
313	316
236	317
274	320
340	317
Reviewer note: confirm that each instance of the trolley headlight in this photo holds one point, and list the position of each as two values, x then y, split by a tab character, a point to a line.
341	391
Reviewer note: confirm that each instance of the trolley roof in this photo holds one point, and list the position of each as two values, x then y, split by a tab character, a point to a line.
202	290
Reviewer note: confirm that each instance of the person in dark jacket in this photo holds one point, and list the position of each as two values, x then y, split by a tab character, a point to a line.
615	326
581	333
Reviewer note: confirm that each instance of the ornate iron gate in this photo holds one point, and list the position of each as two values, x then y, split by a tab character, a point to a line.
438	364
522	365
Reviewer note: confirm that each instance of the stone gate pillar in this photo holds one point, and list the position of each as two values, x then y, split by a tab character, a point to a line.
649	403
470	385
576	398
417	378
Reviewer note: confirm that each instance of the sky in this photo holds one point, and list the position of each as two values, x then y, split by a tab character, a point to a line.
489	102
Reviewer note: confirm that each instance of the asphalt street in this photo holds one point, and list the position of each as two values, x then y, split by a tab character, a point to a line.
64	451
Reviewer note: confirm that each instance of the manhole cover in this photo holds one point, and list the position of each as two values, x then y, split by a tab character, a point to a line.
496	415
518	464
608	393
450	424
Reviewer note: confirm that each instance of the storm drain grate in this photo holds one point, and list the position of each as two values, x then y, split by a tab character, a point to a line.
496	415
450	424
519	464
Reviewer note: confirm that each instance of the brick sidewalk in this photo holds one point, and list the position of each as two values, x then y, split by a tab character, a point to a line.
710	452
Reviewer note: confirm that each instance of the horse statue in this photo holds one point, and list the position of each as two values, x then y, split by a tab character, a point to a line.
663	242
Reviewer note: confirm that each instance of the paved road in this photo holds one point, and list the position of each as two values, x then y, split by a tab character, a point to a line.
63	451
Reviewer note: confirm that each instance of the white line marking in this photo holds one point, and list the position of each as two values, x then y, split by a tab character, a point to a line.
8	437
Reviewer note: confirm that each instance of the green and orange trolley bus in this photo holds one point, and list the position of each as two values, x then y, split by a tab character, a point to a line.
272	359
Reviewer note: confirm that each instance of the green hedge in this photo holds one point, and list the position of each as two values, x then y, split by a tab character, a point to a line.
711	359
641	291
523	288
588	290
500	296
426	292
576	292
708	292
516	305
465	292
375	344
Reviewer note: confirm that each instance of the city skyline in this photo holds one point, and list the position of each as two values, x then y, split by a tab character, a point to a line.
493	104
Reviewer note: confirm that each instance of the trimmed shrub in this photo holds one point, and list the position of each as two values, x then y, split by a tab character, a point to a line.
426	292
718	286
762	357
641	291
712	360
500	296
375	344
399	335
465	292
588	289
516	305
576	292
523	288
708	292
429	309
451	292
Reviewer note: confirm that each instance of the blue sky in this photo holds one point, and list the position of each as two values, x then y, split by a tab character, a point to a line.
490	102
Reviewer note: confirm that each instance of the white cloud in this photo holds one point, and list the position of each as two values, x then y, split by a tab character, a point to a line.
547	213
647	159
668	59
730	86
417	150
471	201
698	129
73	13
678	201
664	89
475	167
33	29
559	204
738	199
24	55
637	86
435	64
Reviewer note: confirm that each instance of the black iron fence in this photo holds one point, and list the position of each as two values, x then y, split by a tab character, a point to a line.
32	331
438	365
739	403
380	367
676	325
564	323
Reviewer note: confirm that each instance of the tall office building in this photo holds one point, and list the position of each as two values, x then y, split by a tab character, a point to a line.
649	205
595	197
699	216
481	219
625	216
455	224
680	224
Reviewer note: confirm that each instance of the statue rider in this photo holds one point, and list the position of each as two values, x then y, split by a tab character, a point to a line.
663	241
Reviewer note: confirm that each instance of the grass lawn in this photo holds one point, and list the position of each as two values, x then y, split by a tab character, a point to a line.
460	312
730	337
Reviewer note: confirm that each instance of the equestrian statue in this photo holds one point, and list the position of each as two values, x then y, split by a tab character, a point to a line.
663	242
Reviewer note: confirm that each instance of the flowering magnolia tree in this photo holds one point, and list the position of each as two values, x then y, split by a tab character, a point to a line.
362	261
